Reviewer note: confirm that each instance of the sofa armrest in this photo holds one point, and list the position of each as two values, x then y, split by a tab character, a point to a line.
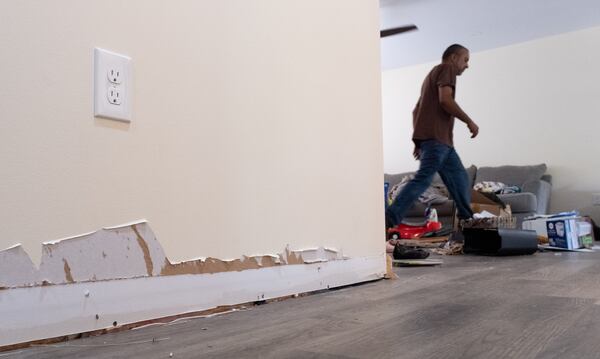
542	191
547	178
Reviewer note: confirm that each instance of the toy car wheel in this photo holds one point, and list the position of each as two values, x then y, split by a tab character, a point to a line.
394	235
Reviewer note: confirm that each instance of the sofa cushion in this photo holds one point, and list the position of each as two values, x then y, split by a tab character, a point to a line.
510	175
520	202
471	172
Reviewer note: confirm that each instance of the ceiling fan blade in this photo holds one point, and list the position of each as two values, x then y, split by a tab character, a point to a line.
397	30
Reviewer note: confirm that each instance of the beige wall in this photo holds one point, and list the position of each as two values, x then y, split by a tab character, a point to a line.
534	102
256	124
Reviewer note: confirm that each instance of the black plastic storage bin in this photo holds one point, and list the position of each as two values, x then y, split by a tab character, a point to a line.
499	242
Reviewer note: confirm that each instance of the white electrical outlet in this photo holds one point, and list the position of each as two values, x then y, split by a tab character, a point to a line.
596	199
115	75
112	85
114	95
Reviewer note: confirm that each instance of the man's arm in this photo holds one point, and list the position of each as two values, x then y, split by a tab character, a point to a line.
416	151
415	111
449	105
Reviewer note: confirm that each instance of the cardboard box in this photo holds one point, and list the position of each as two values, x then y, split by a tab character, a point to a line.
538	225
589	220
478	197
568	232
562	233
494	209
503	219
585	232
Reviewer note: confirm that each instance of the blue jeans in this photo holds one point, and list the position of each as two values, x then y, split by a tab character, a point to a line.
435	157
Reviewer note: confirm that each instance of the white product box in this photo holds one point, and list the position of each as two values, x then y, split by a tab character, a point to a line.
564	230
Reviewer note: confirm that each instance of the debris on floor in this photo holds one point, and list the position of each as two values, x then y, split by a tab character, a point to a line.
449	249
416	262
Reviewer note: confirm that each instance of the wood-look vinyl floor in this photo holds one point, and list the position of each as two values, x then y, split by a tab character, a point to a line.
542	306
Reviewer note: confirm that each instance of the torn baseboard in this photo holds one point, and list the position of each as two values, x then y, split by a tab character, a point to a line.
122	275
40	312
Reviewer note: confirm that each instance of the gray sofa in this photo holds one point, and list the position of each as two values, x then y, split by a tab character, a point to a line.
536	188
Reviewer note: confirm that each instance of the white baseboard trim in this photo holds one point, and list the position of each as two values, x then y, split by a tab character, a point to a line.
40	312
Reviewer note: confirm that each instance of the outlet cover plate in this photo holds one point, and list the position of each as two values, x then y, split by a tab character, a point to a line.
106	62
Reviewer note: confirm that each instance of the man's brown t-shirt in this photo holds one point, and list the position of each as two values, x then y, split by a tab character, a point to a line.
430	120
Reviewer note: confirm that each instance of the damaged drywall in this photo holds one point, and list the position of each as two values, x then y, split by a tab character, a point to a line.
16	268
213	265
320	254
129	251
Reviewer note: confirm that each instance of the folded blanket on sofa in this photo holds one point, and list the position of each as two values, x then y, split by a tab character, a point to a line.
435	194
495	187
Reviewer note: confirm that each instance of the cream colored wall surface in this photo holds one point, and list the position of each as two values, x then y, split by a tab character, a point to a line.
256	124
534	102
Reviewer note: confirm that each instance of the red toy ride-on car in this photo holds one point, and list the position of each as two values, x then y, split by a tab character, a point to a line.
414	231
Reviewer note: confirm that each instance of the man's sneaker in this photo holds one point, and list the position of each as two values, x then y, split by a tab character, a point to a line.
404	252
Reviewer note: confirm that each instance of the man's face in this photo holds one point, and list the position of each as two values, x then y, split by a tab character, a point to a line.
461	61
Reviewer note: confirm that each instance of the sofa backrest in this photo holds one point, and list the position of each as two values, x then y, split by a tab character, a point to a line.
547	178
511	175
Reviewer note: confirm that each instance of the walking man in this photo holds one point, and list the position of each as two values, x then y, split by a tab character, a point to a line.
433	123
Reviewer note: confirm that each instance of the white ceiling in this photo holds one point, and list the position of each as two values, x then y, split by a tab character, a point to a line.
476	24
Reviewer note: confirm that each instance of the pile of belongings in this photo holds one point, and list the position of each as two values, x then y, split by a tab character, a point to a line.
495	187
435	194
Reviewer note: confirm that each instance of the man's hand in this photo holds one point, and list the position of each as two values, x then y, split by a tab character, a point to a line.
473	128
417	153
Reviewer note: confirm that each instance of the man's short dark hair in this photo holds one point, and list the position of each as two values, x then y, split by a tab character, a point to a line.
453	49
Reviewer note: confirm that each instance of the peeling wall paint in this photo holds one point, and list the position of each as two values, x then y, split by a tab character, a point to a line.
129	251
